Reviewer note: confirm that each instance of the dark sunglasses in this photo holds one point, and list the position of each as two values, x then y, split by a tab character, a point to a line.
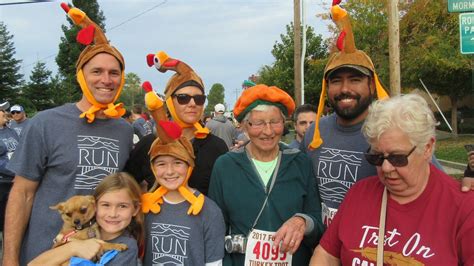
397	160
15	112
186	98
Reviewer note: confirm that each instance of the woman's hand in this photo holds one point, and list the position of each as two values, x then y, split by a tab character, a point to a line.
290	235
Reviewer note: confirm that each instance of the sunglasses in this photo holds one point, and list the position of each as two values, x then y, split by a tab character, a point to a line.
15	112
186	98
397	160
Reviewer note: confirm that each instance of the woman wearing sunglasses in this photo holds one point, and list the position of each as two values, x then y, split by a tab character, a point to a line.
411	213
185	99
266	190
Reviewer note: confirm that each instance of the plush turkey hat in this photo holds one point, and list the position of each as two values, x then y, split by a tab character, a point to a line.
180	148
347	56
93	36
262	94
169	142
184	76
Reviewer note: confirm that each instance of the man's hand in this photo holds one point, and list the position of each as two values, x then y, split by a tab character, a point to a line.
290	235
467	184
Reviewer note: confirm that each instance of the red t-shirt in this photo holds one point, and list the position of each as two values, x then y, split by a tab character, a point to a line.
435	229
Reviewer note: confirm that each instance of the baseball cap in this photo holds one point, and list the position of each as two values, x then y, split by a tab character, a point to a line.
363	70
219	108
17	108
4	106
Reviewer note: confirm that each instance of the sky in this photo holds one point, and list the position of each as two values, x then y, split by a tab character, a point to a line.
224	41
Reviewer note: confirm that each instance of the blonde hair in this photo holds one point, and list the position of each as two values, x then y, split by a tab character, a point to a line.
122	180
410	113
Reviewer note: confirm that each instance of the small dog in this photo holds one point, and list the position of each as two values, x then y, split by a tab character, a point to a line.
78	214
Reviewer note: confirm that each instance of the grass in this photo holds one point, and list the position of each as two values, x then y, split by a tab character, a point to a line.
452	149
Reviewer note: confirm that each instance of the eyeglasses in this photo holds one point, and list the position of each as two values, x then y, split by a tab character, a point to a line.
186	98
397	160
260	124
15	112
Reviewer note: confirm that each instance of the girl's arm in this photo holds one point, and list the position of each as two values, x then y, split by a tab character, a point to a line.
86	249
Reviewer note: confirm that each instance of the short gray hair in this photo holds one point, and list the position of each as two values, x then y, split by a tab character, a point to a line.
263	108
410	113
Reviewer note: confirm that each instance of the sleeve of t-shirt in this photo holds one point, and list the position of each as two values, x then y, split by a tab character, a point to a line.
129	256
214	233
31	156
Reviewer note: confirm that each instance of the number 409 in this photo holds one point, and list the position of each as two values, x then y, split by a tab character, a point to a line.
265	249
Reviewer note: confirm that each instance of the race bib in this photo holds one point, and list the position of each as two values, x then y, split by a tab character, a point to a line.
259	250
327	213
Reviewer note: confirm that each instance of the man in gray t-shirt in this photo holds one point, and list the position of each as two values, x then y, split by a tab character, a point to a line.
66	151
220	126
335	143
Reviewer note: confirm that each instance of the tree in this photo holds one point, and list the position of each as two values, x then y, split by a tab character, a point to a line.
281	73
38	91
216	95
61	93
431	52
10	78
132	92
69	49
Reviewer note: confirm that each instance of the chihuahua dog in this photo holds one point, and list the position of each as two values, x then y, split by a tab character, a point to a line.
78	214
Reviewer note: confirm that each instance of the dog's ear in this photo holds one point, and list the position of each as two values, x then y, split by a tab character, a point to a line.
91	199
59	207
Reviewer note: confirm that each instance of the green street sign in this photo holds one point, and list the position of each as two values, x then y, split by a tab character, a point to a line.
466	28
460	5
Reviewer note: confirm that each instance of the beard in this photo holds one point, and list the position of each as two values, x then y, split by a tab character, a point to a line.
354	112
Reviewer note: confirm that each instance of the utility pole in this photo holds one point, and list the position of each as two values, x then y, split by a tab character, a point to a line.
297	52
394	46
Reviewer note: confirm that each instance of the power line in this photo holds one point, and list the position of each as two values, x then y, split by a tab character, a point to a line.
112	28
3	3
140	14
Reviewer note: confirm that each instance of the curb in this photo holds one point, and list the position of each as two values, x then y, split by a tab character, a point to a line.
454	165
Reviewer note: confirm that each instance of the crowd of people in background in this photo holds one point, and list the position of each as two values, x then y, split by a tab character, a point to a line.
356	186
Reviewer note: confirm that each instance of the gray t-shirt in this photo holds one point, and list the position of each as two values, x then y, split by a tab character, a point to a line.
338	163
175	238
8	144
127	257
142	127
223	128
18	127
68	156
